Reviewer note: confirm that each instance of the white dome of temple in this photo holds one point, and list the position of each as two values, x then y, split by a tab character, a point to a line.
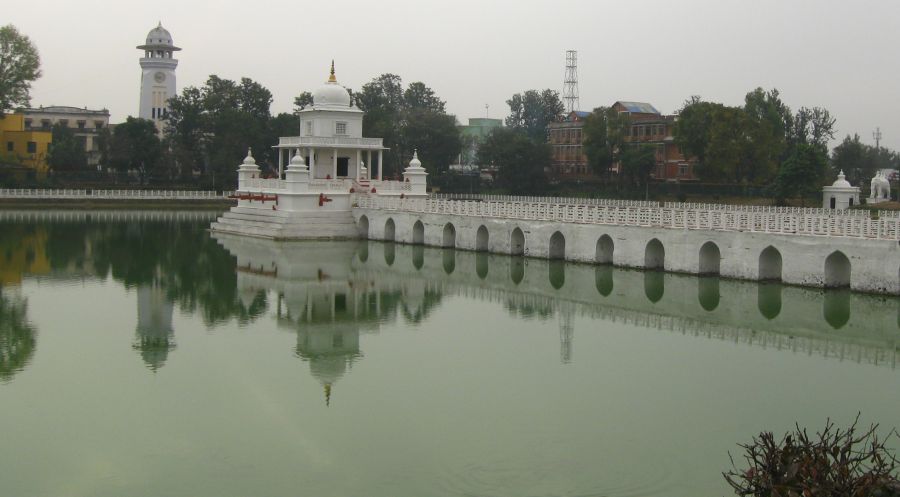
331	94
841	181
159	36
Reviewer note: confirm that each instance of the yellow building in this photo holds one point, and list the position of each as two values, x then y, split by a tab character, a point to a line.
26	147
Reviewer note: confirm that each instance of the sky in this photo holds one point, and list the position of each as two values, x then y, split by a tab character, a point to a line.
841	55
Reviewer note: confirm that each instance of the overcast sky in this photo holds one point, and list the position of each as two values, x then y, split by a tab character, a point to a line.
838	54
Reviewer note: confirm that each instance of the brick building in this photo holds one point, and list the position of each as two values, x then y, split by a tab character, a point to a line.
647	125
565	139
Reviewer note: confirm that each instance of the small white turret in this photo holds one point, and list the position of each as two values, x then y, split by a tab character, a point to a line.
840	195
247	170
297	175
415	175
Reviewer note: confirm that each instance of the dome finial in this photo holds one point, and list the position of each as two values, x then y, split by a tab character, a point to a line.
249	159
332	79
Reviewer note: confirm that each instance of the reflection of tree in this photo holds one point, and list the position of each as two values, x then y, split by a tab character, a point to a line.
17	336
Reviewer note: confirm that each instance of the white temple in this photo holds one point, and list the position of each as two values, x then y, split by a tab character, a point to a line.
327	165
840	195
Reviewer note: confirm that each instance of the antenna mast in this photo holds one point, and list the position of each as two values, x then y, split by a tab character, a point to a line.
877	136
570	83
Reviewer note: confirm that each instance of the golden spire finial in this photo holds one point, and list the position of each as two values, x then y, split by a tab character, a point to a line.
332	79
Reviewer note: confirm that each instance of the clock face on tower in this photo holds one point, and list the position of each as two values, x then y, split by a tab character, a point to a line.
159	77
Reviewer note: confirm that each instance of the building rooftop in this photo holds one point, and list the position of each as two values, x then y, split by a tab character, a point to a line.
62	109
638	107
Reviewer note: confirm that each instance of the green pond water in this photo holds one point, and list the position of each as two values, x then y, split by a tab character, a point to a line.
142	356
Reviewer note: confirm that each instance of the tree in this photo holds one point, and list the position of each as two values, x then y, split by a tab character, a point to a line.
532	111
693	127
136	147
66	151
19	67
604	136
637	161
521	162
302	101
406	120
801	174
211	127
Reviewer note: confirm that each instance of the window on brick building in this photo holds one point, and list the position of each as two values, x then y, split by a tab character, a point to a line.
31	148
682	169
10	146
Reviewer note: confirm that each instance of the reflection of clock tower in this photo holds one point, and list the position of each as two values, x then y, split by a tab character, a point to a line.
157	75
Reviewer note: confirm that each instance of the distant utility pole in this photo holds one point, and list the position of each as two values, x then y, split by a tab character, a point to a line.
570	83
487	108
877	136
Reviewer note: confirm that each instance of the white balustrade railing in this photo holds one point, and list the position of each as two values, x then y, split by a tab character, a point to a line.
550	200
330	185
47	194
767	208
263	184
390	186
793	223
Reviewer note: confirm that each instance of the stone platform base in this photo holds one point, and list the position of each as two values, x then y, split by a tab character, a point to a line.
283	225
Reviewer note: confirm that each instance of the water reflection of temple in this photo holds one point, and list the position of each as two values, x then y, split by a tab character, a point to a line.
323	299
834	324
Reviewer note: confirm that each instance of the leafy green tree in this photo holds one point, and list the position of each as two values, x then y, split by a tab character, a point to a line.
211	127
19	67
520	161
136	147
694	127
766	124
408	119
801	174
638	160
604	136
532	111
66	150
302	101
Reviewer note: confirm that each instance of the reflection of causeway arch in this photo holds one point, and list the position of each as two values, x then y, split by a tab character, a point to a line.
768	299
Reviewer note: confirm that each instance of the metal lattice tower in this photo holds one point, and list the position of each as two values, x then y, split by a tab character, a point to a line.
877	136
570	84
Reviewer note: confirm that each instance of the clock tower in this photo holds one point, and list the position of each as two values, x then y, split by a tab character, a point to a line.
157	75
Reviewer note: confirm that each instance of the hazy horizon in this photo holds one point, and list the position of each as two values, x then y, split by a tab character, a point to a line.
817	53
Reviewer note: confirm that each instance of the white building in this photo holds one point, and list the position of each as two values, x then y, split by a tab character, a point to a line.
840	195
84	123
157	75
331	141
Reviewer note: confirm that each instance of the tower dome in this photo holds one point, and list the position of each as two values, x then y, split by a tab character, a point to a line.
841	182
331	94
159	36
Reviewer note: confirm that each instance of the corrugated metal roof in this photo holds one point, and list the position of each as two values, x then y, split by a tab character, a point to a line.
582	114
639	107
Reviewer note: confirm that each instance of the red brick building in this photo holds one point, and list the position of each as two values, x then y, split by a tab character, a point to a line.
647	125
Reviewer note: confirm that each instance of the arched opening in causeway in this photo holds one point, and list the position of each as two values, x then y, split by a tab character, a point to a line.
418	233
604	252
481	239
557	246
389	230
517	242
710	258
363	227
449	238
770	264
654	255
837	270
557	273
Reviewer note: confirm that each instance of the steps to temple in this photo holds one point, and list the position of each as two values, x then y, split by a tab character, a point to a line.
281	225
